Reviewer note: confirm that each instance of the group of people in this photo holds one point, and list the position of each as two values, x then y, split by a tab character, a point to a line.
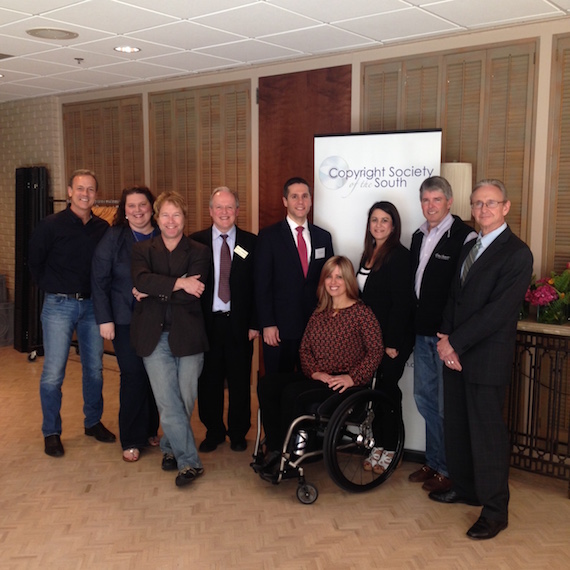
183	312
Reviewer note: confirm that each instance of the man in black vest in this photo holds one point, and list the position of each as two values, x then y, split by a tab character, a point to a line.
435	250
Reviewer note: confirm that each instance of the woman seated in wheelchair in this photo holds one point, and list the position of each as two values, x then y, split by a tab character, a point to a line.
341	347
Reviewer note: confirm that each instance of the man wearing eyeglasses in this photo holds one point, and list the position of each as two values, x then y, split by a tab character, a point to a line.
477	340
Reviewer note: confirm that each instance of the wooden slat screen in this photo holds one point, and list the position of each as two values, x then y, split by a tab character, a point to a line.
382	97
421	94
462	107
558	227
106	137
505	153
482	100
201	139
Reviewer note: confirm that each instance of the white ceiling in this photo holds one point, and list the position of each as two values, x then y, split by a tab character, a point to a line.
181	37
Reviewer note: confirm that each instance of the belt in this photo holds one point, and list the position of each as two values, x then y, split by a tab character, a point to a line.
76	296
221	313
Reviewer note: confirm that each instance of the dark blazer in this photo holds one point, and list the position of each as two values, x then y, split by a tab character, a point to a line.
389	294
242	315
111	281
481	316
284	297
154	271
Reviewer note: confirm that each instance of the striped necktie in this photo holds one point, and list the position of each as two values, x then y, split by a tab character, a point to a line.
470	260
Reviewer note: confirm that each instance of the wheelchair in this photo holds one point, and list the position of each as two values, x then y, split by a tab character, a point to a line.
342	431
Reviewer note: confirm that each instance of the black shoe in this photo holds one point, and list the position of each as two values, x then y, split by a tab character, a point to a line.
271	463
53	446
169	462
210	445
187	475
100	433
451	497
238	445
486	528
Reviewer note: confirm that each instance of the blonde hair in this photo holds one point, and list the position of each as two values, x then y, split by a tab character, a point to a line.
172	197
347	272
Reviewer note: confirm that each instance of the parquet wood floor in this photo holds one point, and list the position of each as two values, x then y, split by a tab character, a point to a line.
91	510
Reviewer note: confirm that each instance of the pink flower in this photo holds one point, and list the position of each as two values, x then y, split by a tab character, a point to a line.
542	295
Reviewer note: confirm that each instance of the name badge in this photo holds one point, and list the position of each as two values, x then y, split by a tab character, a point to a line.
241	252
320	253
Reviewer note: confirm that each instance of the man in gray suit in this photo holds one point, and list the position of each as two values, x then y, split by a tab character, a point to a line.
477	340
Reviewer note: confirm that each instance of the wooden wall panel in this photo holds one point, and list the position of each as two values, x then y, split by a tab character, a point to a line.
292	109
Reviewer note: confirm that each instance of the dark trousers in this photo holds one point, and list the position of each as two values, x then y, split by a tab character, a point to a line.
282	358
284	397
387	377
138	415
477	443
229	359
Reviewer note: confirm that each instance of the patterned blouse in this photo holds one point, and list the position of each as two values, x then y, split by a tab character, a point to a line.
346	342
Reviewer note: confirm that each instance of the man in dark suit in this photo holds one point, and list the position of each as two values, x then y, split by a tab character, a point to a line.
229	312
288	263
477	341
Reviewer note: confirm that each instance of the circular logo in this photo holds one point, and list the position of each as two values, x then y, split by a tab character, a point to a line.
332	172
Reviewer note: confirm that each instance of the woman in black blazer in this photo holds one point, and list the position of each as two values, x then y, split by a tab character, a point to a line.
385	282
113	302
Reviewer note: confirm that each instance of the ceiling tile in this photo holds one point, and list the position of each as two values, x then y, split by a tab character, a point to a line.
33	66
190	9
334	10
471	13
68	56
17	46
192	62
107	47
256	20
110	16
186	35
320	39
140	69
408	23
18	29
249	51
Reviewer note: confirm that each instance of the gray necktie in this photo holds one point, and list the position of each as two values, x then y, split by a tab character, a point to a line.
470	260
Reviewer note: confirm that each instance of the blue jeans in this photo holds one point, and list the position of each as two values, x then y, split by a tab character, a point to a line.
428	393
174	381
60	317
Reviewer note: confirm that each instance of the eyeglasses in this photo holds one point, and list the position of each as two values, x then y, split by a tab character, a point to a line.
491	204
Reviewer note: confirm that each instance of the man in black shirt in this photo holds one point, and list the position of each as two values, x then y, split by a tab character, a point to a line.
61	249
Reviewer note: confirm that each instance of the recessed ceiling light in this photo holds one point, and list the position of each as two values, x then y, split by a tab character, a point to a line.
127	49
51	34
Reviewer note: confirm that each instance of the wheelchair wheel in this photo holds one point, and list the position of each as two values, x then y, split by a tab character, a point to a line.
351	434
307	493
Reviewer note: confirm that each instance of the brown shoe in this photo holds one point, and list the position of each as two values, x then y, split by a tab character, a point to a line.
437	483
422	474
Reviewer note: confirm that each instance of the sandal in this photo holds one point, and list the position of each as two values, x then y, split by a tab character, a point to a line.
384	462
131	455
154	441
372	460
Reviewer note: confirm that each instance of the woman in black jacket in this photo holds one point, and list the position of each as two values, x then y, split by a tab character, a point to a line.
113	302
385	283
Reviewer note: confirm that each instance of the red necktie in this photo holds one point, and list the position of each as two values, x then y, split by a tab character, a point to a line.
302	248
225	267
